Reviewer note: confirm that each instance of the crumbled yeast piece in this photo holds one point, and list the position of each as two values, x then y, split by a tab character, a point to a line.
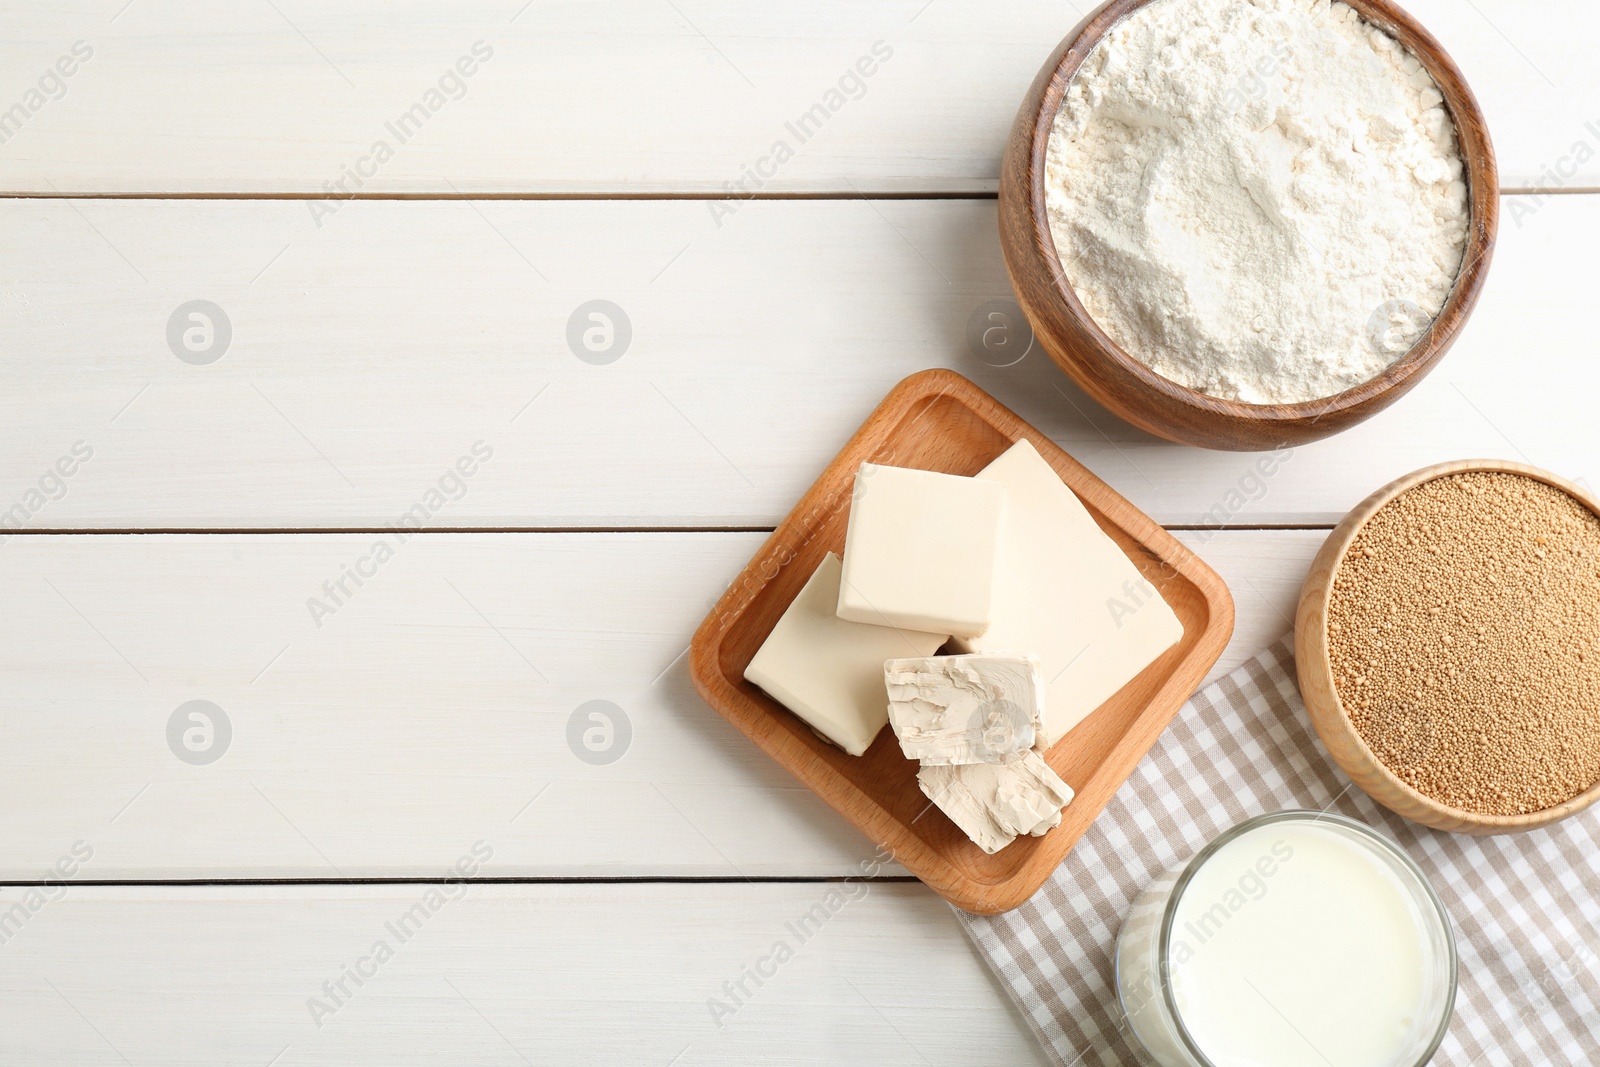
994	802
979	708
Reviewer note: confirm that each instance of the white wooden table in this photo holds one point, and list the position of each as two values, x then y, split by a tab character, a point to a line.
211	909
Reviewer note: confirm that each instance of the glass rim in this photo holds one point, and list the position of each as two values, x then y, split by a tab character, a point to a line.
1360	829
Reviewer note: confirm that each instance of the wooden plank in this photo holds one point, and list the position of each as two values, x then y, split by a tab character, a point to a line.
366	358
500	975
436	705
180	96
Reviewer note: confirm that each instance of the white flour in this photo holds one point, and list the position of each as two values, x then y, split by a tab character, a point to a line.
1259	199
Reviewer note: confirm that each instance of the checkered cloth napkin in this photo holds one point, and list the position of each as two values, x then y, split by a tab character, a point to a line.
1526	907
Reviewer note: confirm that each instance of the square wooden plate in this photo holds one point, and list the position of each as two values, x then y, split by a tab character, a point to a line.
937	420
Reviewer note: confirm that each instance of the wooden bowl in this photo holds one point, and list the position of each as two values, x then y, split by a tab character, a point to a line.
1163	407
1348	749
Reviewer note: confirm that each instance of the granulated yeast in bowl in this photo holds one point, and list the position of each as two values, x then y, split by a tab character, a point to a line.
1464	641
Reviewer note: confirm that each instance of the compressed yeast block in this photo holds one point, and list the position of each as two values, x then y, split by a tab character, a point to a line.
919	550
1068	594
982	708
995	802
829	671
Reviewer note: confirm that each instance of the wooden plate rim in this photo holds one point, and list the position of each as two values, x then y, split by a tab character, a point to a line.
976	895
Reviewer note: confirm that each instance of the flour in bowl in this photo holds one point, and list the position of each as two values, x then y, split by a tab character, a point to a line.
1262	200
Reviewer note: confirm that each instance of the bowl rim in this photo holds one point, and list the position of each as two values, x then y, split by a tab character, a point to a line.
1483	201
1338	546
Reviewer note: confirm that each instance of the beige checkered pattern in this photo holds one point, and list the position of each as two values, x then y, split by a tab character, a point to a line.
1526	908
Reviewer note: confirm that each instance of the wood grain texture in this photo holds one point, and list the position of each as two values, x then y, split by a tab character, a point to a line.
369	355
500	975
1124	385
410	723
939	421
435	705
630	96
371	351
1345	744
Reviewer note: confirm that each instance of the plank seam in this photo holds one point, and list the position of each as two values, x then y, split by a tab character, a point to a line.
621	195
281	531
296	531
703	195
645	879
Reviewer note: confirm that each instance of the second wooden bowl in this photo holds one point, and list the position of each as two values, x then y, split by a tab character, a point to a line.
1328	716
1138	394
